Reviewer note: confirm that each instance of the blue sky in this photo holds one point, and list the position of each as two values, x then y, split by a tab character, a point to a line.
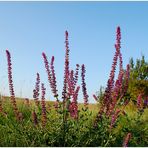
29	28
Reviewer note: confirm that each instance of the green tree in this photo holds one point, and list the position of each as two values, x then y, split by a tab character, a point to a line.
138	83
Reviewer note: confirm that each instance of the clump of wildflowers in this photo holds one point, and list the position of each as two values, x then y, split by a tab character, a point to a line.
115	90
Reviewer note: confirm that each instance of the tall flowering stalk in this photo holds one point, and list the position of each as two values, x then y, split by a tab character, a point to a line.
51	74
11	87
118	46
117	53
75	95
37	89
53	78
65	83
84	90
127	139
110	84
108	99
115	90
44	117
66	70
76	75
121	72
47	69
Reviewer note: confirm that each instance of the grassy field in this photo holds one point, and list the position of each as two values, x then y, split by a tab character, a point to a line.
76	133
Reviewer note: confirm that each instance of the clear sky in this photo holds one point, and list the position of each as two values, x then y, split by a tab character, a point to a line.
29	28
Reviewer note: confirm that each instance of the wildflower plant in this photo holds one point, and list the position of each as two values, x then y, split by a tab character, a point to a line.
36	90
11	87
66	123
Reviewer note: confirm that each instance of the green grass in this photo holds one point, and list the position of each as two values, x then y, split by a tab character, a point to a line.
73	132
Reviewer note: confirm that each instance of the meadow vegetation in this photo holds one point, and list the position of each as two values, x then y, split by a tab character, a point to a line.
119	117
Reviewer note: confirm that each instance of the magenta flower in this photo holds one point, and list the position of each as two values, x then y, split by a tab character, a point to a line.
127	139
11	87
66	70
127	78
47	68
51	74
117	90
36	90
139	102
54	86
70	82
117	53
114	117
73	109
76	75
109	100
118	38
75	95
44	117
84	90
